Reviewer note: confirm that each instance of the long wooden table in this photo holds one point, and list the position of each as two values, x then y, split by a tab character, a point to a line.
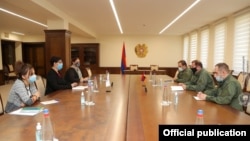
105	121
127	113
157	72
145	111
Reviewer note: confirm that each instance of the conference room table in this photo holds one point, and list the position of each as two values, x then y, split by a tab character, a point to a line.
131	111
145	71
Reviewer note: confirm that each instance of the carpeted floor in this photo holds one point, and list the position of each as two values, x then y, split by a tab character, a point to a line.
4	90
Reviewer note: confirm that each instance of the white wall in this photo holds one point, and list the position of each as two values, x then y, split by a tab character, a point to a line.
164	51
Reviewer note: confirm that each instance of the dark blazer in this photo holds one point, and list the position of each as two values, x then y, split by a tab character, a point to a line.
55	82
71	75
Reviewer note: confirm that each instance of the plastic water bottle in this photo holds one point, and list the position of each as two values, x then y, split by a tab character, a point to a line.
88	100
82	99
107	75
47	130
176	98
95	84
38	132
199	117
165	96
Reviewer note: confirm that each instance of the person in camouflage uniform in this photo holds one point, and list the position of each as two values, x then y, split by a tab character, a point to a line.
228	89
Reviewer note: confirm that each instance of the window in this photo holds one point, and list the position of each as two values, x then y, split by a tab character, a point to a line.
193	46
241	43
185	48
219	42
204	47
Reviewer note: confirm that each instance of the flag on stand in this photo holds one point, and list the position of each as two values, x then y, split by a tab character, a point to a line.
143	77
123	60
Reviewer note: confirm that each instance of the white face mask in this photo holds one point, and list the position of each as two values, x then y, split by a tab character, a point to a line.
180	69
219	78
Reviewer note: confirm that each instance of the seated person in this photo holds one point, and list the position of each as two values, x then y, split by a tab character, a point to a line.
193	65
228	89
74	74
23	92
202	80
55	80
184	73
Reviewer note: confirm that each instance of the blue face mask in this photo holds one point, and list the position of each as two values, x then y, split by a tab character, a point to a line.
60	66
32	78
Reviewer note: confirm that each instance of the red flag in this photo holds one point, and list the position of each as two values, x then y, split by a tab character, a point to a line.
143	77
123	60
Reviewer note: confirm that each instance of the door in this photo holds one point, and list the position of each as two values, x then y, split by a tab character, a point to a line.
8	52
33	53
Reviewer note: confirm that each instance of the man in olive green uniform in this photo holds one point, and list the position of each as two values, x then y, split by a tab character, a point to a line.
228	89
202	80
184	73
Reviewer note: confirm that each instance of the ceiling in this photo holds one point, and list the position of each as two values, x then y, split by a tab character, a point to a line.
92	18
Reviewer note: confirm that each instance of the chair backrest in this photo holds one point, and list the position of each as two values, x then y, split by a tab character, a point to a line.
11	68
134	67
245	99
40	85
1	105
44	81
154	67
11	72
231	71
248	83
89	72
242	79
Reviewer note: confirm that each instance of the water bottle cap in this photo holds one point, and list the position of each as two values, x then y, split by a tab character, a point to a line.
46	111
200	112
38	126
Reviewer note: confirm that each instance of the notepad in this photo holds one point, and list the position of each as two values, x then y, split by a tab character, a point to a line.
79	87
176	88
31	109
49	102
27	111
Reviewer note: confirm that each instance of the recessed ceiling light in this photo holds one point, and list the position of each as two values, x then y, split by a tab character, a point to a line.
18	33
177	18
116	15
20	16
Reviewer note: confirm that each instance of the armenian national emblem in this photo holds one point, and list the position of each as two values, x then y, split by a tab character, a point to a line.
141	50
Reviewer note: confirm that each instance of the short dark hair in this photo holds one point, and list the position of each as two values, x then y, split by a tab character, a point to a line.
183	62
21	69
223	66
195	61
74	59
54	59
198	63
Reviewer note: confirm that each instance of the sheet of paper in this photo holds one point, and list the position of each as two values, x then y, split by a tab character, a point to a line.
176	88
197	98
49	102
79	87
25	113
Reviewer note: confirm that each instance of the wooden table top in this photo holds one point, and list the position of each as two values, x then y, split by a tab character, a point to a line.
144	126
126	113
